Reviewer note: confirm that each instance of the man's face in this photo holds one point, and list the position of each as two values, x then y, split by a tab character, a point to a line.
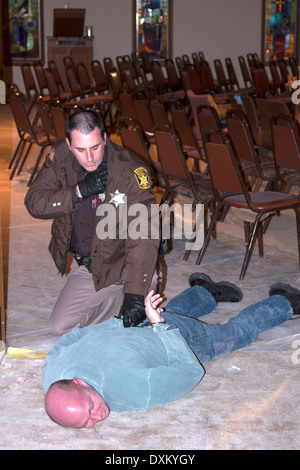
80	407
88	149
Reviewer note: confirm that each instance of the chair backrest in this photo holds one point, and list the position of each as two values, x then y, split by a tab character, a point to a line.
245	72
108	65
84	79
72	81
52	85
223	166
170	153
130	66
267	109
59	121
195	81
183	128
99	76
159	113
208	119
250	110
29	81
261	82
283	70
158	77
145	119
47	124
56	75
41	79
132	139
115	82
234	84
206	75
127	106
277	82
195	101
173	77
146	62
179	63
20	115
128	80
286	142
294	66
120	63
220	73
240	136
68	61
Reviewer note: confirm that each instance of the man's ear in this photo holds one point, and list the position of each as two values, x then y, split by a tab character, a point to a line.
68	143
79	382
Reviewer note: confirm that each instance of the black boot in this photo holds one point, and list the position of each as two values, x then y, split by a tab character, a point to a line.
289	292
221	291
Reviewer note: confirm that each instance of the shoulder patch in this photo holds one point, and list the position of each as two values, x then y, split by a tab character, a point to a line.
142	178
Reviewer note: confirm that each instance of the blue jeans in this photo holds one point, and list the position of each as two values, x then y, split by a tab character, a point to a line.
211	341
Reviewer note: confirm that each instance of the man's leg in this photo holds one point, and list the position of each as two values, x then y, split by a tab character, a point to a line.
211	341
79	304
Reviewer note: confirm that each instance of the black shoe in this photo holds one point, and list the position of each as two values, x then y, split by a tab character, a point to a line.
290	293
221	291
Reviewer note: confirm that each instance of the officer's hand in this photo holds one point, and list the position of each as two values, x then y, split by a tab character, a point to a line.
94	182
132	310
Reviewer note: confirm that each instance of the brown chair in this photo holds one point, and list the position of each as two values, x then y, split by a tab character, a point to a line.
294	66
52	67
132	139
173	77
41	81
59	121
246	152
286	146
145	120
55	92
31	87
208	120
226	176
163	92
246	75
278	83
101	82
127	106
249	107
159	113
233	81
184	131
28	134
177	177
222	80
267	109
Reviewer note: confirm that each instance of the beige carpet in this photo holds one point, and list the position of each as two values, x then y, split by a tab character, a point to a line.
247	400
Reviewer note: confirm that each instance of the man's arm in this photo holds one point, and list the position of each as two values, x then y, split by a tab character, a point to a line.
50	196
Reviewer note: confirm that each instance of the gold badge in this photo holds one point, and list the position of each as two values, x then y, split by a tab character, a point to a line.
142	178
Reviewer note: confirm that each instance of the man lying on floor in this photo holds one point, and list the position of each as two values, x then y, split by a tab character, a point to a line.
104	367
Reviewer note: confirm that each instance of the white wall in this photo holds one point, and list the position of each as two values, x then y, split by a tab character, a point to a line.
218	28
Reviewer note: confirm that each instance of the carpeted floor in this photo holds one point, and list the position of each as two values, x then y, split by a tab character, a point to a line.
246	400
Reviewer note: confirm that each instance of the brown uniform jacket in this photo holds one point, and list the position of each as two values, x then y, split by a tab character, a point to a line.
117	255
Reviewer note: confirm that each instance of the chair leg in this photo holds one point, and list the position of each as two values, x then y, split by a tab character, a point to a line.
21	142
24	159
18	159
250	246
209	233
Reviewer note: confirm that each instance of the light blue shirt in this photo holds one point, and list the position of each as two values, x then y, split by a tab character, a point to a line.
134	369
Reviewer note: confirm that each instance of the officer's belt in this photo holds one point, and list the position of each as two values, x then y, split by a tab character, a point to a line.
83	260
